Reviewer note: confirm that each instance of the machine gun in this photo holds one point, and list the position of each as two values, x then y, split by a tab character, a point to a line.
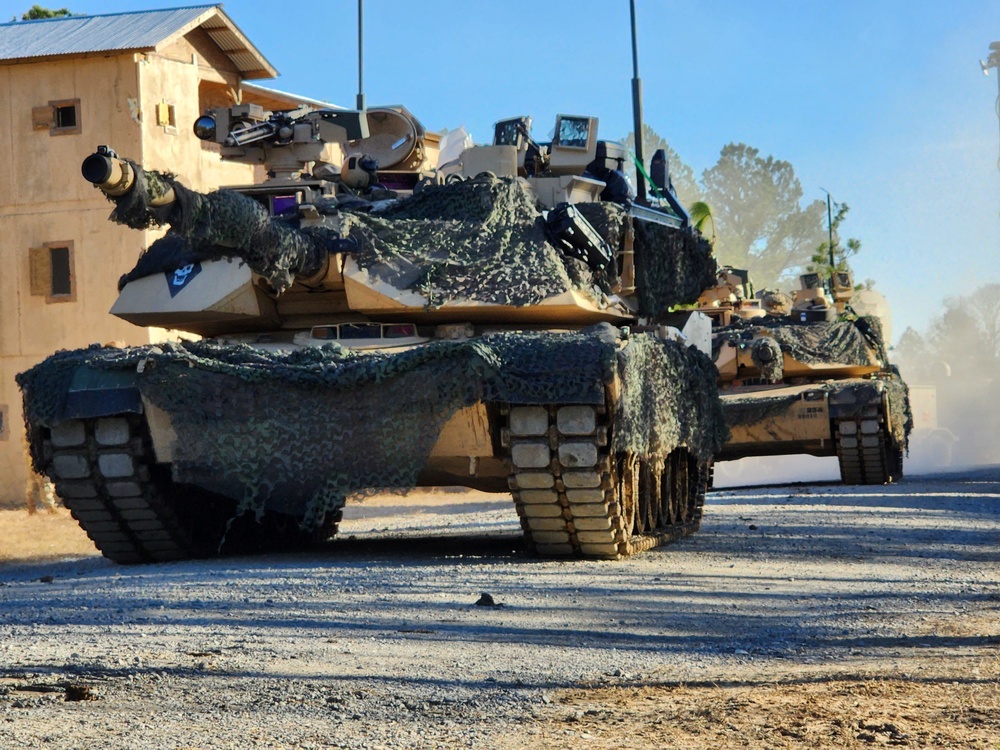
286	141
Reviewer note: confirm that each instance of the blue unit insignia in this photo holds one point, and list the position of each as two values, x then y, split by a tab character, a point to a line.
177	280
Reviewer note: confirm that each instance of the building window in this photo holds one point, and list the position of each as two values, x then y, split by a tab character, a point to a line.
65	118
52	274
4	422
60	117
62	275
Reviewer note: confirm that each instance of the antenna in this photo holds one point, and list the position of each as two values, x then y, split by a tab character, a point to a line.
640	181
361	55
829	229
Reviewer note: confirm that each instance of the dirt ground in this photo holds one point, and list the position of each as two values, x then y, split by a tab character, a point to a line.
940	689
930	710
40	537
946	699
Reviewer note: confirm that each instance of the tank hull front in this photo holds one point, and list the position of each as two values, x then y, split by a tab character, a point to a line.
779	420
191	449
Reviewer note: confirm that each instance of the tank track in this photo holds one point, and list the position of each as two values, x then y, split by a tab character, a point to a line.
866	452
101	472
575	499
104	471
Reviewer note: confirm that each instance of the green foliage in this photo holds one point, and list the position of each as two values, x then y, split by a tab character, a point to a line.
912	346
702	219
37	12
842	252
758	215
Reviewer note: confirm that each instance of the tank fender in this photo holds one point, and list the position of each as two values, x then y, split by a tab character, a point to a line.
101	393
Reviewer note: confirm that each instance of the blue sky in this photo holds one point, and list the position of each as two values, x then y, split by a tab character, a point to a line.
880	102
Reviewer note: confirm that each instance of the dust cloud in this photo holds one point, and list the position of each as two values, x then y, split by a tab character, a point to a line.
954	377
759	470
956	422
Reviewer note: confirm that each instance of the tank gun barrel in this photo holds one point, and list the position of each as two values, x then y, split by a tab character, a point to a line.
116	177
219	224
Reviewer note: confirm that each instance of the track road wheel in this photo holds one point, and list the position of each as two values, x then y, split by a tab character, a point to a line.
575	499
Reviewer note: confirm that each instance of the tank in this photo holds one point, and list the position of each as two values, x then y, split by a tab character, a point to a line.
809	374
366	319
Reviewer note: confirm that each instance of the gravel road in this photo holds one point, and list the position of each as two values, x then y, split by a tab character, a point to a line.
376	640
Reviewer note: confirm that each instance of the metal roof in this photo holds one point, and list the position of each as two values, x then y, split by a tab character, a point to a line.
277	93
134	31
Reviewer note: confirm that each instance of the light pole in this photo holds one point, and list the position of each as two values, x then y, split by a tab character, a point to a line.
993	61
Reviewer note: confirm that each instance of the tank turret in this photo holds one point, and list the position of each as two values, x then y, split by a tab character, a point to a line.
545	246
372	321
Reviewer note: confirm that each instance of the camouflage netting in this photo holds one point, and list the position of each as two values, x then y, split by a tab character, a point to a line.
654	418
870	327
135	209
672	267
215	225
814	343
482	240
900	410
898	395
839	342
300	432
751	408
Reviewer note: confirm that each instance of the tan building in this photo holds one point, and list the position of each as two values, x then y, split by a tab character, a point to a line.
135	82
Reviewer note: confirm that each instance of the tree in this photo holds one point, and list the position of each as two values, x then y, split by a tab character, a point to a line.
959	356
37	12
757	213
914	356
984	305
965	337
958	337
681	175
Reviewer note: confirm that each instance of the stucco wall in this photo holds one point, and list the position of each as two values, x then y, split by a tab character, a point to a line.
44	199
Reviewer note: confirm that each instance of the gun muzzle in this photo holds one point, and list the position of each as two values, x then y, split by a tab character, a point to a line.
116	177
112	175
